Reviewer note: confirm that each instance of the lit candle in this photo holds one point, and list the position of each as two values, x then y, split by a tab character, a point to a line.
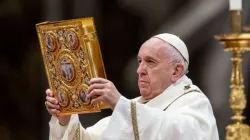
235	4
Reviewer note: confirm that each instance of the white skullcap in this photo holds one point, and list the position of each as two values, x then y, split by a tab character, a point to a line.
176	42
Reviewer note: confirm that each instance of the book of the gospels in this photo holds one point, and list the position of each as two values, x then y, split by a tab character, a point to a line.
72	56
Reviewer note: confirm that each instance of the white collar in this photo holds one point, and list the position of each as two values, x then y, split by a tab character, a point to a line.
170	94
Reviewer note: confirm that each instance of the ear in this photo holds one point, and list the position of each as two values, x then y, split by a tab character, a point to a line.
178	70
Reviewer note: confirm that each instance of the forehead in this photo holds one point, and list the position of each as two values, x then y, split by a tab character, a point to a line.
153	47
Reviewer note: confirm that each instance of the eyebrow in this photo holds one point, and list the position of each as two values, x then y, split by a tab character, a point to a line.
148	57
151	58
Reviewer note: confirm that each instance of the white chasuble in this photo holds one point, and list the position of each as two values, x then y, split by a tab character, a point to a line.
181	112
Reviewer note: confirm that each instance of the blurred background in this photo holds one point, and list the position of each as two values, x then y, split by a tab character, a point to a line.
122	26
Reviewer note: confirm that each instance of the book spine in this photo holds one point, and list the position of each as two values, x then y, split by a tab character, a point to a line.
96	61
93	48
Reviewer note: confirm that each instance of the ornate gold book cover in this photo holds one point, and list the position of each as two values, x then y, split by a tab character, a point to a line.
72	56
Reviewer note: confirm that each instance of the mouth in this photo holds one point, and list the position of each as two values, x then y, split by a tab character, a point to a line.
142	81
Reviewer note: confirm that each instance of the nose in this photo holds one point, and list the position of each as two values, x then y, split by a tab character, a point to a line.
141	70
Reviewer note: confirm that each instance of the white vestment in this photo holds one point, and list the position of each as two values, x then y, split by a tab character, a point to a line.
181	112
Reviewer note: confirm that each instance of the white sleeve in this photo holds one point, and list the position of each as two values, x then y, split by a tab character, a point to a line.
190	122
72	131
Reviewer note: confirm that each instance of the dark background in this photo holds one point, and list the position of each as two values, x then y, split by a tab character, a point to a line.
122	26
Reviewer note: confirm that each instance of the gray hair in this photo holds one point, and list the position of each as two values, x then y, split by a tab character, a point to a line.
176	57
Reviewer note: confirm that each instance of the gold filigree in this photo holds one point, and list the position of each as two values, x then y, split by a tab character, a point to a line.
71	61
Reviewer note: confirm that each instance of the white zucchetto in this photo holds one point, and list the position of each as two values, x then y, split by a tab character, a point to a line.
176	42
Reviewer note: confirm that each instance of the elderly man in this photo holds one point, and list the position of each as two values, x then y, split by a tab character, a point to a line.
170	108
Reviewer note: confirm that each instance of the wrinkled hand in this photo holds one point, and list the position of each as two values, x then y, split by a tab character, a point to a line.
51	103
53	107
104	91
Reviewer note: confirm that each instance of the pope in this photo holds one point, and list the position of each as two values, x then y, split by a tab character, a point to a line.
170	106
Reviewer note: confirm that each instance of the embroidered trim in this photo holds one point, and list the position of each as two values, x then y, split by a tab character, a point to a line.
134	120
180	97
78	132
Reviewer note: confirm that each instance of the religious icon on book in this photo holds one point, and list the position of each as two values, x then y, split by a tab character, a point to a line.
61	98
83	95
67	69
50	42
72	39
72	56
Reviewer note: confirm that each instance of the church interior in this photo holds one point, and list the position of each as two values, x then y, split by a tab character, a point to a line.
122	26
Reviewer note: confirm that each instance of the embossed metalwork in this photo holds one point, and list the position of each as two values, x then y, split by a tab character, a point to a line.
72	56
238	44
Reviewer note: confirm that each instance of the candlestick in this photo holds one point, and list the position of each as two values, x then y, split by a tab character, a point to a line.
237	43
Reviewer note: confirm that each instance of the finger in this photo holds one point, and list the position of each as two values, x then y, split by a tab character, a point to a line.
51	100
95	92
53	112
52	106
95	86
97	80
97	100
49	93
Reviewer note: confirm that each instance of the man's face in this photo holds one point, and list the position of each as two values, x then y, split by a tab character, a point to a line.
154	71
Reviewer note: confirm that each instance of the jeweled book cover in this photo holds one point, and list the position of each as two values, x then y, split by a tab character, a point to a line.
72	56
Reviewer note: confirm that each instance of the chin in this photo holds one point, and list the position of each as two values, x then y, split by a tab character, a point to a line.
144	93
